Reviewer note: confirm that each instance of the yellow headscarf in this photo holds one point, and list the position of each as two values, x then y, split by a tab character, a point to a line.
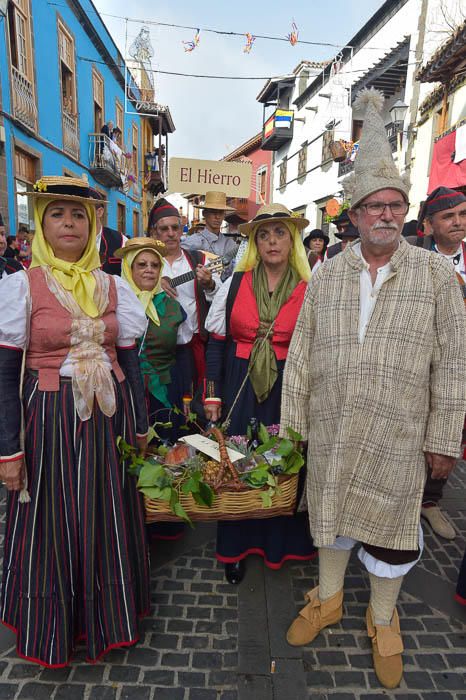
144	297
76	277
298	257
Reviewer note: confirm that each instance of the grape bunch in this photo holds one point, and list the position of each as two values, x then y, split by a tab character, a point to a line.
210	472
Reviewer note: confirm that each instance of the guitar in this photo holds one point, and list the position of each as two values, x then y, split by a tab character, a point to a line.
216	264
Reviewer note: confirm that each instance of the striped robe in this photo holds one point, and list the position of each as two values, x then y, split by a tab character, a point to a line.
369	410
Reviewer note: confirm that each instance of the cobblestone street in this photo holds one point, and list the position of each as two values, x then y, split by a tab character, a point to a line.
208	640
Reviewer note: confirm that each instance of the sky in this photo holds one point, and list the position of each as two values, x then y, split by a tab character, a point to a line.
211	116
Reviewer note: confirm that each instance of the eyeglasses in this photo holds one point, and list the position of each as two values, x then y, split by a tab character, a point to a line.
399	208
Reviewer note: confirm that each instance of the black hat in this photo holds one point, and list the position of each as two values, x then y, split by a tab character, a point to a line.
342	219
160	210
316	233
410	228
235	219
440	199
349	232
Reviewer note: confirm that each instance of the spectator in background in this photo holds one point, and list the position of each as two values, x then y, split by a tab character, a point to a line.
7	265
107	239
316	244
12	247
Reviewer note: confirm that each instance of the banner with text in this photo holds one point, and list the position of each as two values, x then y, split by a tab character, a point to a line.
187	175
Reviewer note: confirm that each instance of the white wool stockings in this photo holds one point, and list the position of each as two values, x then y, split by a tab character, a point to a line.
332	567
384	594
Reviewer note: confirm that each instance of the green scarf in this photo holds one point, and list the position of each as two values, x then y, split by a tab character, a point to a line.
263	371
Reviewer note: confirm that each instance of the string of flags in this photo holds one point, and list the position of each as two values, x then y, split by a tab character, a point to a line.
292	37
191	45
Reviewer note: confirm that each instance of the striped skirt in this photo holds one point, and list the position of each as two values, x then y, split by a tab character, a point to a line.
76	561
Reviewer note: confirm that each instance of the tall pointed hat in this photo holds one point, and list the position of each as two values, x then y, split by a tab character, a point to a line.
374	167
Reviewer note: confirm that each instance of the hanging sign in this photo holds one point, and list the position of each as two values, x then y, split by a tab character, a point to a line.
201	176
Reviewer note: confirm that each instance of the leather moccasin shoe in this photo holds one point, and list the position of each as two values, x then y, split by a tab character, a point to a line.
234	573
314	617
387	647
438	522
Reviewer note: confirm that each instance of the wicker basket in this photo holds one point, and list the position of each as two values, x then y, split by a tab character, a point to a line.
230	505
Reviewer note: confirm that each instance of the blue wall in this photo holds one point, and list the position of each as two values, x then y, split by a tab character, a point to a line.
48	100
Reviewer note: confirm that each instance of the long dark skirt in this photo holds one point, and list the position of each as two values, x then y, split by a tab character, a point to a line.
461	585
275	539
76	560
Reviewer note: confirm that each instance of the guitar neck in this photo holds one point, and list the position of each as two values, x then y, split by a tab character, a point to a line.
182	279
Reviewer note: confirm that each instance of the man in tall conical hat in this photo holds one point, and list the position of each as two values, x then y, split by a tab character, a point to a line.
380	397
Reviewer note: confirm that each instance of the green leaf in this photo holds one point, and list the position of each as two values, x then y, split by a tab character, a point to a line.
151	435
166	493
271	480
181	513
149	474
294	464
206	493
266	497
266	446
190	486
151	492
294	435
285	448
192	417
263	433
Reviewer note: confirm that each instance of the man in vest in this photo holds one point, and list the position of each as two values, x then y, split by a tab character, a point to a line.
194	295
108	240
211	238
444	216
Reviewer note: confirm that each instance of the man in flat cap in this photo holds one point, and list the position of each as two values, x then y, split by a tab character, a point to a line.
444	217
374	379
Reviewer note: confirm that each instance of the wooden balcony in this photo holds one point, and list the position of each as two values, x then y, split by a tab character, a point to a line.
277	130
24	105
240	204
70	134
107	162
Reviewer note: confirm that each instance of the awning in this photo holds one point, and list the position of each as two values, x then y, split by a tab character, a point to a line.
443	170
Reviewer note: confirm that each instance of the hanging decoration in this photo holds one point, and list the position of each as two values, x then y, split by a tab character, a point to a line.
250	39
294	34
191	45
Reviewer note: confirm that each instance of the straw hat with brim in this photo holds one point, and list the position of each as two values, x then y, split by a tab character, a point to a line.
60	187
215	200
141	243
270	213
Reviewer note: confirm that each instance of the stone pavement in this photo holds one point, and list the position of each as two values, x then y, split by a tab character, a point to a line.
208	640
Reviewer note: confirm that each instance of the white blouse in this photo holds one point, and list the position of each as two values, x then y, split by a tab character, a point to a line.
216	321
14	294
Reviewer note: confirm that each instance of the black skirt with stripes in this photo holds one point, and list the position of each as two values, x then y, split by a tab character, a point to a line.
76	566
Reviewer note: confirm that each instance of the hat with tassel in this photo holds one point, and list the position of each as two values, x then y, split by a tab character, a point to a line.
374	167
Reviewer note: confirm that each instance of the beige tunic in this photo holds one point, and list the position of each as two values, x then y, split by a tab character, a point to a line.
369	409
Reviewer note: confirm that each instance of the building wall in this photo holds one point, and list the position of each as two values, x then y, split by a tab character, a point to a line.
259	159
47	143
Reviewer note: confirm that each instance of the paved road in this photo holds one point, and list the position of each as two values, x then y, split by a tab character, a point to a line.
208	640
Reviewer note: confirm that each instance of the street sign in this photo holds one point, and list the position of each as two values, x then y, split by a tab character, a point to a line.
200	176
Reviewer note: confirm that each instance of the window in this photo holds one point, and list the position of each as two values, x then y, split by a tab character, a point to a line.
327	139
119	116
302	160
282	182
261	185
356	130
135	133
121	217
135	223
67	69
98	95
21	57
26	167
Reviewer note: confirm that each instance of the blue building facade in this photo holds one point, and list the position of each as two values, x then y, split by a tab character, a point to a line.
61	79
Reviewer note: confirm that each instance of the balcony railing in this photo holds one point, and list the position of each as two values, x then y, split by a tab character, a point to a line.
24	106
70	134
107	162
277	130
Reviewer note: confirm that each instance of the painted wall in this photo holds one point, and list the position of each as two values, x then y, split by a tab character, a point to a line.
48	144
259	159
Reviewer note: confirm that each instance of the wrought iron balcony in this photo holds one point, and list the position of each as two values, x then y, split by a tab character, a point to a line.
24	106
70	134
107	162
277	130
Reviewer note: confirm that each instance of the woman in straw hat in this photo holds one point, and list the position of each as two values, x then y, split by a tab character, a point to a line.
251	322
142	268
75	557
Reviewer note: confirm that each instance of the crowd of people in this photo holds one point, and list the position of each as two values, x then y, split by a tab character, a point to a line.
360	347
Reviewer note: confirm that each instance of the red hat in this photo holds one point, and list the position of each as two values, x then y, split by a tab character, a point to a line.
160	210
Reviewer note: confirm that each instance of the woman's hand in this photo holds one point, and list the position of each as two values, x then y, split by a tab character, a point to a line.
213	412
12	473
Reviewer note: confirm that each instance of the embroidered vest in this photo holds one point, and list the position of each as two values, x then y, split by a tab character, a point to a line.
51	329
110	242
